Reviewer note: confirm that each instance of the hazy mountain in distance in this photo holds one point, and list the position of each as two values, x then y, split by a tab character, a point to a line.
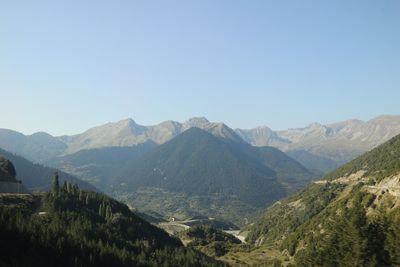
318	147
36	147
324	147
40	147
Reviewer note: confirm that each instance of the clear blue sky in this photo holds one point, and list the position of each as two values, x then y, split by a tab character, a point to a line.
66	66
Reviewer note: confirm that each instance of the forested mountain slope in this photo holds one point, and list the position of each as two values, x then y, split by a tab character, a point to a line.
36	177
71	227
350	218
227	178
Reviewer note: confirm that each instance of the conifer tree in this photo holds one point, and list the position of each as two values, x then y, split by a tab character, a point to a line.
108	213
56	184
75	189
101	210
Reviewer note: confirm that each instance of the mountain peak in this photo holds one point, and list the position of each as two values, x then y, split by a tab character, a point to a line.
385	119
128	121
197	121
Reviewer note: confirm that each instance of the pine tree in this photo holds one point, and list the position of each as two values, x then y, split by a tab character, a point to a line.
75	189
69	188
81	196
56	184
108	213
65	186
101	208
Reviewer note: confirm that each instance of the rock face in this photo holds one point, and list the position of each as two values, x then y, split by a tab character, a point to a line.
323	147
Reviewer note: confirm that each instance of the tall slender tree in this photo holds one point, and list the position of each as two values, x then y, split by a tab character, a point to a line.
56	184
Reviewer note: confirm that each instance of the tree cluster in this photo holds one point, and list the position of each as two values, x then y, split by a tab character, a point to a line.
81	228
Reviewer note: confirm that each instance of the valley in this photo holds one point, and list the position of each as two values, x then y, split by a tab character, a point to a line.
228	202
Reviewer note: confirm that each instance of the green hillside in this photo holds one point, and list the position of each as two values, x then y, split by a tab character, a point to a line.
36	177
71	227
7	170
197	172
98	165
351	218
209	240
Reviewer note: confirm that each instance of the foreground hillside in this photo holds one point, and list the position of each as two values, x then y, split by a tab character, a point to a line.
350	218
70	227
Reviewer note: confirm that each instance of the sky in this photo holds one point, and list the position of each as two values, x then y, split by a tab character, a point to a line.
66	66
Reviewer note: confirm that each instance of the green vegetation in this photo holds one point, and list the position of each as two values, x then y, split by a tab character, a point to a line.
7	170
182	206
380	162
7	167
351	239
208	240
98	165
71	227
36	177
284	218
353	221
211	176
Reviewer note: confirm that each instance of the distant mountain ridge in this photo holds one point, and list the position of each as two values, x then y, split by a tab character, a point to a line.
40	147
319	147
325	147
128	132
36	147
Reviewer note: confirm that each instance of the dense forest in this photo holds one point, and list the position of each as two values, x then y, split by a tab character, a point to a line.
72	227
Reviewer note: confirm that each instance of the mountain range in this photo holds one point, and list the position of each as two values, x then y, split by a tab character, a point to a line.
200	167
325	147
318	147
349	217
